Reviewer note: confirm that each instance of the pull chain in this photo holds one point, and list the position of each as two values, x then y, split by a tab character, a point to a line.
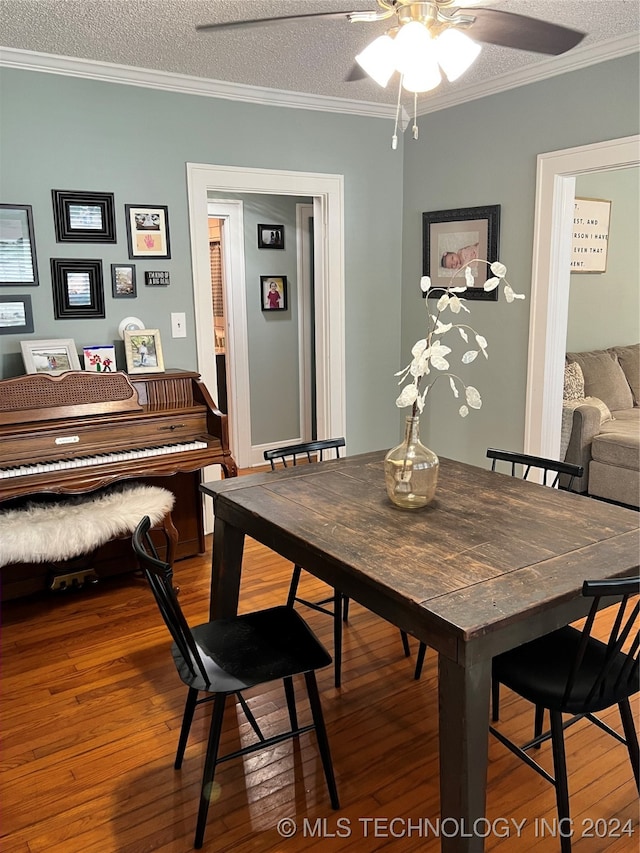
394	138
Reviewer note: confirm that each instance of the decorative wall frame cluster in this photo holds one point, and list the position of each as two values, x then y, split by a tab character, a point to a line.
18	264
84	217
450	238
78	290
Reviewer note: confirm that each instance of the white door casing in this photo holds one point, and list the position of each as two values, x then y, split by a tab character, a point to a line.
555	190
328	195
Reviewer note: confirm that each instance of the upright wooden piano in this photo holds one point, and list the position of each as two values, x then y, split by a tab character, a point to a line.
81	431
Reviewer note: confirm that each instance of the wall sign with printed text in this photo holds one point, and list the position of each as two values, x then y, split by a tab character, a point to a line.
156	278
590	235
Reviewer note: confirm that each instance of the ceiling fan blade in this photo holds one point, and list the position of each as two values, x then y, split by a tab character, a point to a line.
253	22
507	29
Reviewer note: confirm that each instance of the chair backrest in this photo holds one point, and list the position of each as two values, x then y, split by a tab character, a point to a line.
290	454
160	577
522	464
616	672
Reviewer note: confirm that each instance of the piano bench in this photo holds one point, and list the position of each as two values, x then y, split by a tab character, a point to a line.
52	530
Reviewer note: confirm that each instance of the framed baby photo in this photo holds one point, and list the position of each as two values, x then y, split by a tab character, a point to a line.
453	240
273	292
271	236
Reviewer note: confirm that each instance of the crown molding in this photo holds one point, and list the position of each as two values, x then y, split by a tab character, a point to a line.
552	67
127	75
106	72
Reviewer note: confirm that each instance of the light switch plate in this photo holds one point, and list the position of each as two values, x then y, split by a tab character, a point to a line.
178	325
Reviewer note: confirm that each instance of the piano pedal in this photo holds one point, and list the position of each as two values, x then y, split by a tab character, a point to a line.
72	580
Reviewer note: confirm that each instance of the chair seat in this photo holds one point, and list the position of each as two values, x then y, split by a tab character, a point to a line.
539	671
252	649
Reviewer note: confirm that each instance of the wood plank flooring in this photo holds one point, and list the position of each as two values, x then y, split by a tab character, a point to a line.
91	708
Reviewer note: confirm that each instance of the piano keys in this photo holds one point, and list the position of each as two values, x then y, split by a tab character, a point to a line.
80	431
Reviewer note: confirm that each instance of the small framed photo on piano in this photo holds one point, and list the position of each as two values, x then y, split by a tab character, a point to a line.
143	350
54	357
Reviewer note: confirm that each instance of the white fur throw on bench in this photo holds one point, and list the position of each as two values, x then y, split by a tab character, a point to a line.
60	530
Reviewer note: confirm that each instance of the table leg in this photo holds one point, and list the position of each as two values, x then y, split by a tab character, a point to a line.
464	735
226	570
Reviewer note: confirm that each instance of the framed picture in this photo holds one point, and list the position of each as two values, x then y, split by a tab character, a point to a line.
78	290
16	315
271	236
143	351
17	246
147	231
50	356
452	238
84	217
100	359
590	235
123	281
273	292
156	278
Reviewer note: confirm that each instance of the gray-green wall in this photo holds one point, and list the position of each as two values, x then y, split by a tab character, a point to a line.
67	133
62	132
482	153
604	308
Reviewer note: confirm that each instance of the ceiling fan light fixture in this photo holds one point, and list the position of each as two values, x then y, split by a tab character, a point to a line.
413	46
455	52
422	78
378	59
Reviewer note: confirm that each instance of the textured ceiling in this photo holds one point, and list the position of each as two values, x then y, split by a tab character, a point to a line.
311	57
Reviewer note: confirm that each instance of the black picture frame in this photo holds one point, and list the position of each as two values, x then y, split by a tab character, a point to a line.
147	231
267	284
84	217
123	281
443	230
16	315
271	236
157	278
18	263
78	290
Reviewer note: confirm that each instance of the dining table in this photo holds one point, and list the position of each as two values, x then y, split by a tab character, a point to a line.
492	562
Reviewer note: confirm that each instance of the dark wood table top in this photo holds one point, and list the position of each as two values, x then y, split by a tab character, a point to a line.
489	547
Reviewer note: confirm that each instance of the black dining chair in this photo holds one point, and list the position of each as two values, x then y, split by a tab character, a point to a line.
336	605
570	672
224	657
519	465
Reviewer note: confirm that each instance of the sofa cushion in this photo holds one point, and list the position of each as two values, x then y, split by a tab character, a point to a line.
604	378
629	358
573	382
618	443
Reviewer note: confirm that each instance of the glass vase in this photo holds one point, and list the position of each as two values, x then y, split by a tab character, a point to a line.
411	470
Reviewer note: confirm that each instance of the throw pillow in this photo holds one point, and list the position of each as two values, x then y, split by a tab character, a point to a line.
573	382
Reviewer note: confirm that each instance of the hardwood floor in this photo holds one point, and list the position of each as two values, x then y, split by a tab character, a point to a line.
91	708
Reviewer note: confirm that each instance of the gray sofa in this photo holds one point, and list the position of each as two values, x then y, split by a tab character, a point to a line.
605	427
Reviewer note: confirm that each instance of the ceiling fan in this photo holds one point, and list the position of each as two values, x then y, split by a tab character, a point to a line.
426	37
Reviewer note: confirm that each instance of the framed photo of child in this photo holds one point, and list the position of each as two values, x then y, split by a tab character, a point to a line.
273	292
453	238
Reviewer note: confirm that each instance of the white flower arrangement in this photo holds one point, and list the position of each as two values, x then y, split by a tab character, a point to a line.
430	353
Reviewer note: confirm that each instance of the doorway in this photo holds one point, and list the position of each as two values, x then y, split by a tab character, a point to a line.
328	266
555	191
